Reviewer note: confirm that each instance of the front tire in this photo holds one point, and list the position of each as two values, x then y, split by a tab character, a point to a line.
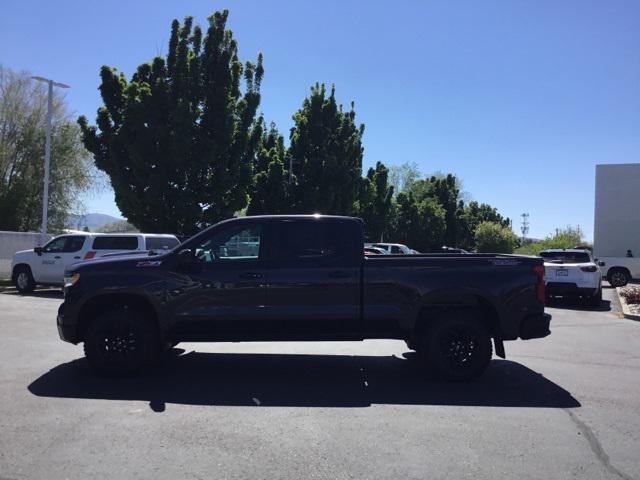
121	342
456	347
23	279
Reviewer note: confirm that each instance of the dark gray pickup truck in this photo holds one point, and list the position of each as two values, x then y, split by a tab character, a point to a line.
301	277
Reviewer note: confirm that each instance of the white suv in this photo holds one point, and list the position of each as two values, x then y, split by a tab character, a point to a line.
45	265
572	273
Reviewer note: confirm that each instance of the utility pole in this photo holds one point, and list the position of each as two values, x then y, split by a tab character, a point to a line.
524	228
47	153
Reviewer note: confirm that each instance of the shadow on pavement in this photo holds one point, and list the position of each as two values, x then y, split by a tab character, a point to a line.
577	304
43	293
303	381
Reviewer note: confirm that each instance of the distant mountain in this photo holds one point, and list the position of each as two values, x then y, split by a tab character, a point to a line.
91	220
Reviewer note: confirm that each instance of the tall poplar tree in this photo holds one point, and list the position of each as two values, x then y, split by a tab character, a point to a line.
375	202
326	153
178	139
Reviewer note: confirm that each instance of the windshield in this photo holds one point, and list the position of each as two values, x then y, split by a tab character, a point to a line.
566	257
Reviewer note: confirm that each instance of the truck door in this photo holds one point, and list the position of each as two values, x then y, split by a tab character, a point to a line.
225	296
314	277
58	254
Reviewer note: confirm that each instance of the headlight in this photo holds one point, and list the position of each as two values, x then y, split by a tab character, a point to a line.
71	280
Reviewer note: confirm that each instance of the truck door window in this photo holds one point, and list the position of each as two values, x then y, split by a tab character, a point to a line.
73	244
56	245
239	243
299	240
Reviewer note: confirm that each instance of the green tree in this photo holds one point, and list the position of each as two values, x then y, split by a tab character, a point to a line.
492	237
326	150
472	215
270	193
445	191
23	113
375	202
418	224
178	139
119	226
568	237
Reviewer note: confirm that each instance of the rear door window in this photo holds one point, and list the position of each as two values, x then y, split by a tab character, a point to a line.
115	243
309	240
74	243
161	243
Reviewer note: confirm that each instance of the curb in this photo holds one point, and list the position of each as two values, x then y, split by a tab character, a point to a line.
626	311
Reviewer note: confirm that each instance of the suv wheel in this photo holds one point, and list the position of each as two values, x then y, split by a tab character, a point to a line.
121	342
618	277
23	279
457	347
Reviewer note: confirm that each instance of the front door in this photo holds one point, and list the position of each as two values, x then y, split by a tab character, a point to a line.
58	254
313	278
224	296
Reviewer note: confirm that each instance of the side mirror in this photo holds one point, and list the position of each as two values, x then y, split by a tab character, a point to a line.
601	264
38	250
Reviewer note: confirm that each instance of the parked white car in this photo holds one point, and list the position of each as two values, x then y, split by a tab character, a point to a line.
45	265
620	270
394	248
572	273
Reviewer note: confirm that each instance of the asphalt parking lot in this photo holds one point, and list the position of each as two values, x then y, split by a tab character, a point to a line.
564	406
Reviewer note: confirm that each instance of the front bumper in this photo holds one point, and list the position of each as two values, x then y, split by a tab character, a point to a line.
67	327
535	326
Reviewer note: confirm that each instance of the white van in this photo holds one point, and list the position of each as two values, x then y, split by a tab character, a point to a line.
45	265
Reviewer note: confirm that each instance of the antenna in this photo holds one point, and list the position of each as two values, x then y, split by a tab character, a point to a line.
524	228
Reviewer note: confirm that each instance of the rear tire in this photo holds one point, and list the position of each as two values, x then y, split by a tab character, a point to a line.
618	277
121	342
456	347
23	279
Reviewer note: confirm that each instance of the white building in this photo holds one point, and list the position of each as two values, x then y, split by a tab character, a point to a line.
616	226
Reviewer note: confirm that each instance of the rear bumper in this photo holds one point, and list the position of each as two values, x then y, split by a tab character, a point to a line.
569	289
535	326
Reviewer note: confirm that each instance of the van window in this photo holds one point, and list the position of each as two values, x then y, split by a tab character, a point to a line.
115	243
161	243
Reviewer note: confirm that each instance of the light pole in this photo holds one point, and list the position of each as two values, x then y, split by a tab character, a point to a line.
47	152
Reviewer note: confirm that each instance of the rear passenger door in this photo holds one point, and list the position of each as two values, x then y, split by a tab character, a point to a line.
313	278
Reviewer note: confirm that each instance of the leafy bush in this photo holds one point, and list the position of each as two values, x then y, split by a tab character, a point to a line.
569	237
631	294
491	237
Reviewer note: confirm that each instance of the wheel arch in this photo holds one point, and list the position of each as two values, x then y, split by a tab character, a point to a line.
101	303
436	303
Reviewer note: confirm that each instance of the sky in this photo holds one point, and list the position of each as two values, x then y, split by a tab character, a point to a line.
520	99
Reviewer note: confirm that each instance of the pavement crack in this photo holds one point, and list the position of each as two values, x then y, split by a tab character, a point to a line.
596	446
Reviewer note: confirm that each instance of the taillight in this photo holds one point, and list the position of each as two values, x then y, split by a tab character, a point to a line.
590	269
89	255
539	271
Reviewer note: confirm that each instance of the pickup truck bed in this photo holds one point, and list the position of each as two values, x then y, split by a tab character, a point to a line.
302	278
